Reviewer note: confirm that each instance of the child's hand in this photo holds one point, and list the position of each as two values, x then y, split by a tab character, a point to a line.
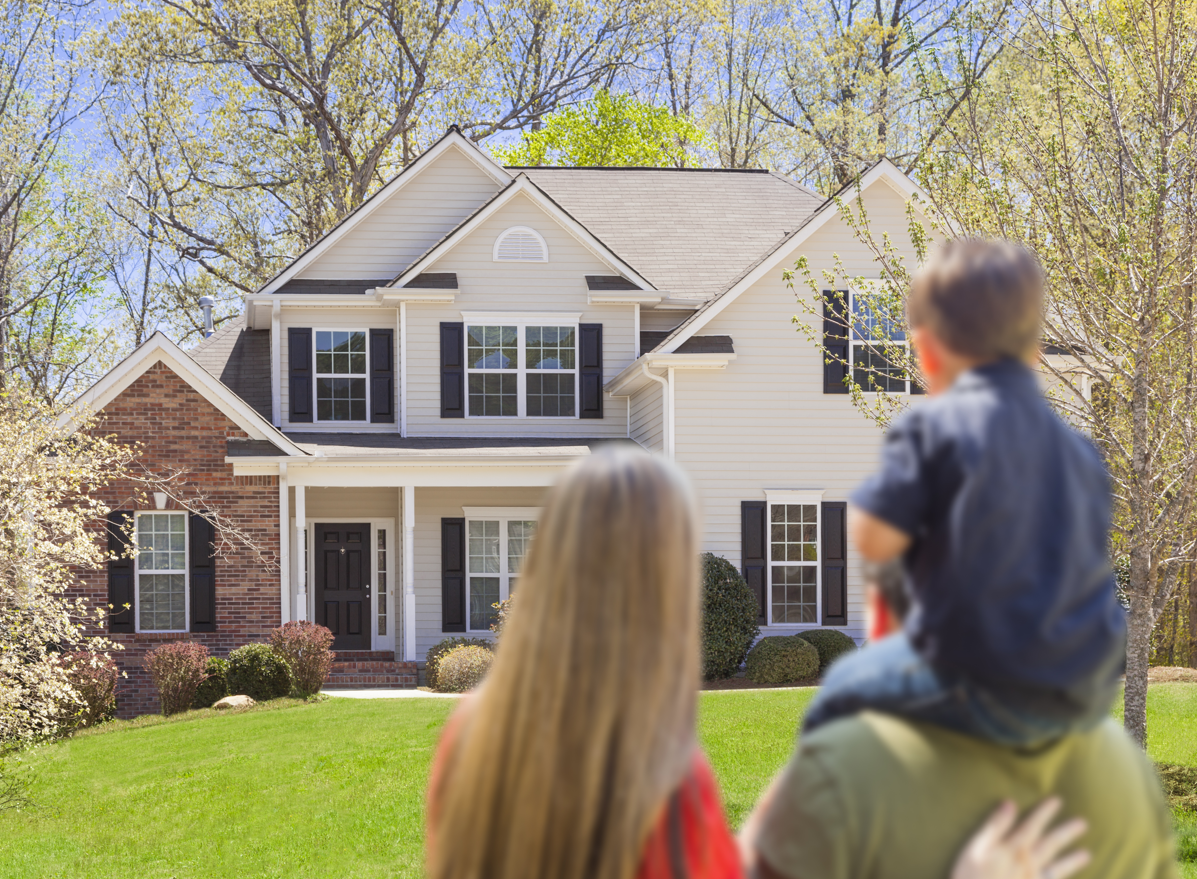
999	850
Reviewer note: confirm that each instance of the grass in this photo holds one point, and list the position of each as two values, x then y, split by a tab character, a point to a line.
336	788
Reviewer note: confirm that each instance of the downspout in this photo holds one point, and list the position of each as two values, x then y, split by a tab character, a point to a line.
666	407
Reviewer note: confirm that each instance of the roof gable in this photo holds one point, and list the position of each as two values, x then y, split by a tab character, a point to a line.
159	349
522	186
411	212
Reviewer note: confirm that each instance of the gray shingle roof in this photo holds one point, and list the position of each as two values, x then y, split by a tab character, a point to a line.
650	340
689	232
240	359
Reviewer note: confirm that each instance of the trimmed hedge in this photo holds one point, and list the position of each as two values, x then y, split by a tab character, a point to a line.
438	650
306	648
258	672
177	669
782	660
215	687
729	611
830	644
463	668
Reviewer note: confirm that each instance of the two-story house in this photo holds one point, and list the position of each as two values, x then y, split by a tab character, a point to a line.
385	416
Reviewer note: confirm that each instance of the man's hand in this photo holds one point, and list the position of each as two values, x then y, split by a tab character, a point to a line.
875	539
1000	850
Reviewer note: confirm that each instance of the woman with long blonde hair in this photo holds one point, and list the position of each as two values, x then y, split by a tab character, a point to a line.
577	757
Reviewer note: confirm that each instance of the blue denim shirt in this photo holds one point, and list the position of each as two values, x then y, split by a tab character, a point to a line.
1009	511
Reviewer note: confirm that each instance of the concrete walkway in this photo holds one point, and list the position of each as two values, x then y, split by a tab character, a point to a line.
389	694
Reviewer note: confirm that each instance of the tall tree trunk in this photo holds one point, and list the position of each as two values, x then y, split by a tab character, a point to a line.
1138	652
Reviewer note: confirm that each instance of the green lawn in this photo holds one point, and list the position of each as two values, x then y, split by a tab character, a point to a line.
335	789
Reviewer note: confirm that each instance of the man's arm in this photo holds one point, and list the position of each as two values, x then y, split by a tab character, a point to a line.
874	538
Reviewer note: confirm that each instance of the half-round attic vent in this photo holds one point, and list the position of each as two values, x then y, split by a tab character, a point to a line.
521	244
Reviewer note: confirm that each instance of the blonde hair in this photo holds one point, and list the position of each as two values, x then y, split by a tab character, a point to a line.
585	724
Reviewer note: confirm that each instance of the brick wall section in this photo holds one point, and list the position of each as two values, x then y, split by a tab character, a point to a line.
178	428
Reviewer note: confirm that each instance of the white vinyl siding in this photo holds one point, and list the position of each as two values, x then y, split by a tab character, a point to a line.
764	422
409	223
646	419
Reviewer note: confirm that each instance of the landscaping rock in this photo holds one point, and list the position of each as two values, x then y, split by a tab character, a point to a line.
233	702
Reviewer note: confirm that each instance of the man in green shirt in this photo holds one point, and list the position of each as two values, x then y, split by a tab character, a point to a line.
874	796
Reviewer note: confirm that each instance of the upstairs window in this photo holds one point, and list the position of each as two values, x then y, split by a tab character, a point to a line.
341	375
875	331
516	370
520	244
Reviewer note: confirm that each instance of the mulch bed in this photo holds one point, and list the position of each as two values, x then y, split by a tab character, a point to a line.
1171	674
739	682
1180	784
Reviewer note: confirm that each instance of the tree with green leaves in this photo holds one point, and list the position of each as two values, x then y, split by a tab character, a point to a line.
612	130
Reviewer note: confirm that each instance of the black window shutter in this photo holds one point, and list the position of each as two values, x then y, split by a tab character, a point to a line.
754	546
299	352
835	341
202	547
835	563
453	550
590	370
382	376
453	372
120	572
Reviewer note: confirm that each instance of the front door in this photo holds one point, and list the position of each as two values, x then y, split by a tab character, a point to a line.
343	584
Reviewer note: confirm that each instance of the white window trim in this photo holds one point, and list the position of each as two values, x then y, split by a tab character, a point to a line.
186	571
502	515
544	246
521	321
791	496
316	375
866	287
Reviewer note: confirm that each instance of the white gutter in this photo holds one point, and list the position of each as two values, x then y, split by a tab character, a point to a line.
666	406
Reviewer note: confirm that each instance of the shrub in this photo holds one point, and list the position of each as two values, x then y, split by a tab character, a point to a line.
502	614
438	650
93	678
256	671
729	612
830	644
305	648
1180	785
782	660
215	686
178	670
463	668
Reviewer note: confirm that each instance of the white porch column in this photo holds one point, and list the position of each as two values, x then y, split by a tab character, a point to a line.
301	568
409	573
284	540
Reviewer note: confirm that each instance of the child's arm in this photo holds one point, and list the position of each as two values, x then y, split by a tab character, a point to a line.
874	538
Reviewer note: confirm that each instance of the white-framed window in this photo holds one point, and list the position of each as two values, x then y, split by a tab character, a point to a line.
520	244
872	327
497	539
161	571
521	366
795	556
342	377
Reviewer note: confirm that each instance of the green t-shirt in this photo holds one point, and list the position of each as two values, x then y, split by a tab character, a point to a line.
875	797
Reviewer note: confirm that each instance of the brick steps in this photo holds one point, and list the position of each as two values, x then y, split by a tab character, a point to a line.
369	670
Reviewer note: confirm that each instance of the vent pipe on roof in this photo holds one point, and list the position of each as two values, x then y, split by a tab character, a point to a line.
206	303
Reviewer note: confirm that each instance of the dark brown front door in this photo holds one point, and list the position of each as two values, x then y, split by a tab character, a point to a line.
343	584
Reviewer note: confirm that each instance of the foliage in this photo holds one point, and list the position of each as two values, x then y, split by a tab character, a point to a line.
729	613
830	643
609	130
783	659
50	501
463	668
255	670
214	687
437	651
92	677
502	612
306	649
177	669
